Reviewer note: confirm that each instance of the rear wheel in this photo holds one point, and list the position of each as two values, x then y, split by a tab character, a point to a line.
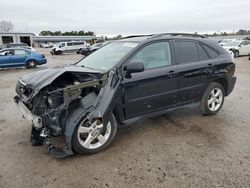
212	99
95	137
236	53
31	63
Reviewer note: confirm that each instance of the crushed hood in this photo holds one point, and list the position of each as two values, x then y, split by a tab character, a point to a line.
40	79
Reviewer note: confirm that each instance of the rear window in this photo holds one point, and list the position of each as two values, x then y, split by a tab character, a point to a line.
211	52
186	51
202	53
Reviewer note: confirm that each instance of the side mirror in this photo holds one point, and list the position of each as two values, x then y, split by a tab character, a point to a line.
134	67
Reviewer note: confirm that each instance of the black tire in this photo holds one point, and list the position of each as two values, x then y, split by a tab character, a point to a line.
58	52
79	148
204	106
236	53
31	63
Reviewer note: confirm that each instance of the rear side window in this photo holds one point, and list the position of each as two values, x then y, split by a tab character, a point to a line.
202	53
212	53
69	44
20	52
186	51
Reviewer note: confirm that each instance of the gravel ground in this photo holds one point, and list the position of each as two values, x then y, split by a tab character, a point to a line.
179	149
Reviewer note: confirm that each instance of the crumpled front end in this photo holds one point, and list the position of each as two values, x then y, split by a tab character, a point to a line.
55	109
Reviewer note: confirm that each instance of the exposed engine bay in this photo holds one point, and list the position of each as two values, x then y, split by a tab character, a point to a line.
55	102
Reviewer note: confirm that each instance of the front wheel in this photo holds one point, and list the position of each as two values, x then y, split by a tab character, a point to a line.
212	99
95	137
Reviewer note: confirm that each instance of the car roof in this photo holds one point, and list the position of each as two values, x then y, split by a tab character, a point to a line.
169	36
19	48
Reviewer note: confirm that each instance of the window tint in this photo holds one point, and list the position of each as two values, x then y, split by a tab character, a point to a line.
186	51
154	55
202	54
20	52
69	44
212	53
243	43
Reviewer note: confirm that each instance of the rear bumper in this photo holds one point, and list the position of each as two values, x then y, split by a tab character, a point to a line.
35	120
231	84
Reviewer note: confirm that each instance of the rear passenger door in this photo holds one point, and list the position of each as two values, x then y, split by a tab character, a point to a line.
194	65
19	57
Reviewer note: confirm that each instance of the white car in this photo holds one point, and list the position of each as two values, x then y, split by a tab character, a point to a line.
238	47
72	46
45	45
224	41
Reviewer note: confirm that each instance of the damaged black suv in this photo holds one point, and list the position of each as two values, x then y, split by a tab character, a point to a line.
126	80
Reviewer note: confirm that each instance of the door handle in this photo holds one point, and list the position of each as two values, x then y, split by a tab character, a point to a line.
171	72
210	65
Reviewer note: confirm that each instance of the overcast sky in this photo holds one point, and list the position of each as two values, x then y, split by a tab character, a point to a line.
112	17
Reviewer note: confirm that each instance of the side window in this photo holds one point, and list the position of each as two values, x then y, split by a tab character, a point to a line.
186	51
69	44
243	43
202	53
154	55
6	53
63	44
212	53
20	52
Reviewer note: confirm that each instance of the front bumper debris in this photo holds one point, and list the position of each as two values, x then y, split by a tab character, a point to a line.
35	120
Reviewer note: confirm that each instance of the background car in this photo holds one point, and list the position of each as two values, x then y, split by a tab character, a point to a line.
88	50
238	47
72	46
16	45
224	41
45	45
15	57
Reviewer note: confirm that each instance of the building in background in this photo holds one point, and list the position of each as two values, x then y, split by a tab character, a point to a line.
36	41
16	38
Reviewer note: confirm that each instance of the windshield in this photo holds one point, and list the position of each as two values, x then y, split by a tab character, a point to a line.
233	43
106	57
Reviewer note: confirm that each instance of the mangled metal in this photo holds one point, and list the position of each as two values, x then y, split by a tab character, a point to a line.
49	110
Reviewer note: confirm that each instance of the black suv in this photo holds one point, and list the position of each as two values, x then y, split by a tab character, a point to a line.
122	82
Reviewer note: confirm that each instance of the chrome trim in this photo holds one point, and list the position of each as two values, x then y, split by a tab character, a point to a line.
23	83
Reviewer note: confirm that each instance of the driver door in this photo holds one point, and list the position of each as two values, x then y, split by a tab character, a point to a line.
155	88
6	58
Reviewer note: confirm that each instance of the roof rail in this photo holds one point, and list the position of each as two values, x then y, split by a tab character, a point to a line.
133	36
178	34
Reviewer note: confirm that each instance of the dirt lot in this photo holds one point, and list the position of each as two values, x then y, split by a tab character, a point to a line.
179	149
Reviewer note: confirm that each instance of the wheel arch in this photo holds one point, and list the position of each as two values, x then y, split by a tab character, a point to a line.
224	84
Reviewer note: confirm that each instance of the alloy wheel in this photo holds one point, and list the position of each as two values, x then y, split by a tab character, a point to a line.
94	135
215	99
